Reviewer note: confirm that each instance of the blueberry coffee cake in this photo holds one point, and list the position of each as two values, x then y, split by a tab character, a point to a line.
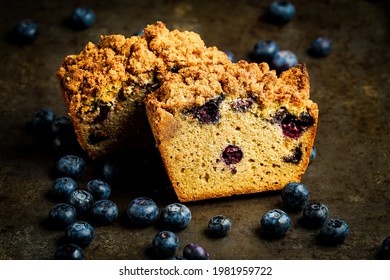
233	128
104	86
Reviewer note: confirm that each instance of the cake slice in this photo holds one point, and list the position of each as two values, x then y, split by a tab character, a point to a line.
104	86
231	129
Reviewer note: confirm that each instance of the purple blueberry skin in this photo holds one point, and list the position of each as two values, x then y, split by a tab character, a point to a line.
82	18
69	252
62	214
104	212
80	233
320	47
384	252
42	121
142	211
219	226
281	12
99	189
264	51
284	60
165	244
63	186
193	251
26	32
333	232
295	196
81	200
176	216
71	166
315	214
275	223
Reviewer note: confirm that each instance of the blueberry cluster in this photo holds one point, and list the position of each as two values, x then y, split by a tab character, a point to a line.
266	50
26	31
295	197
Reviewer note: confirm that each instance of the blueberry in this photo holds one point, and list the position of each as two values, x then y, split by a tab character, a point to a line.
176	216
230	55
111	171
71	166
320	47
142	211
219	226
284	60
281	12
293	127
295	195
69	252
242	104
62	214
42	121
63	186
333	231
80	233
81	200
193	251
62	125
104	212
82	18
25	32
165	243
209	112
315	214
313	154
99	189
264	51
232	155
384	252
275	223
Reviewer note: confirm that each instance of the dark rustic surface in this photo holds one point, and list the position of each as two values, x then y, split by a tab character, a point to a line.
351	86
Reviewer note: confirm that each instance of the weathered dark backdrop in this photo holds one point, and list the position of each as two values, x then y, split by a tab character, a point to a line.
351	86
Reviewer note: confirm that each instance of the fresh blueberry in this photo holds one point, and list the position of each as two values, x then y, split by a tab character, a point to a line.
320	47
42	121
81	200
80	233
104	212
230	55
25	32
69	252
275	223
139	33
99	189
284	60
333	231
62	214
313	154
82	18
295	195
176	216
315	214
165	243
281	12
112	171
193	251
219	226
384	252
62	125
142	211
63	186
71	166
264	51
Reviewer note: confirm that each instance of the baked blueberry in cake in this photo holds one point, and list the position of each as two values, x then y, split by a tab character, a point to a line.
104	86
230	129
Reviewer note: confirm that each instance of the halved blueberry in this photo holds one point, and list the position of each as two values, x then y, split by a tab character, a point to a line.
208	113
232	155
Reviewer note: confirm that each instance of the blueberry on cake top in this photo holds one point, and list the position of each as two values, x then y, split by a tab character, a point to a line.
104	86
230	129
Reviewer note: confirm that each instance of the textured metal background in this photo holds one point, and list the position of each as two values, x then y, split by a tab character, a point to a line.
351	86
